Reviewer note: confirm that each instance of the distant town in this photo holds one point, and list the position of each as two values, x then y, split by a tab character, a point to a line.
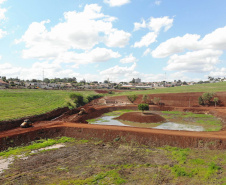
72	83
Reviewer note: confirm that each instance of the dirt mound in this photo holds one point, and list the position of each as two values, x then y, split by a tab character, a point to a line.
141	117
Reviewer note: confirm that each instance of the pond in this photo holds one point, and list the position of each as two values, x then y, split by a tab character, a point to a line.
109	120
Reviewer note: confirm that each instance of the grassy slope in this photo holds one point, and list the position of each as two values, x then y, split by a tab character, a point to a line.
213	87
23	102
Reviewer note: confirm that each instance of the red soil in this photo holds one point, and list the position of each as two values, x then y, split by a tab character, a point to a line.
68	125
141	118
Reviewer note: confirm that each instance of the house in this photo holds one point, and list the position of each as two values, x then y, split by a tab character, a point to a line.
3	84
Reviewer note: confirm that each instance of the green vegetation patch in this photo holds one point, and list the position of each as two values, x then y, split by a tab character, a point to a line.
187	164
208	87
109	177
97	162
35	145
18	103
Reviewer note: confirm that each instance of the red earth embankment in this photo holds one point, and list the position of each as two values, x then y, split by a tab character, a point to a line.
7	125
68	125
149	137
182	99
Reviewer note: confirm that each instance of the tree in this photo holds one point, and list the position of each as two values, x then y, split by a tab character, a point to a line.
207	97
216	100
133	81
46	80
132	98
156	100
143	107
145	98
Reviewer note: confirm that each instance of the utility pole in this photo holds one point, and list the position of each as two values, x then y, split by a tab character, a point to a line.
43	72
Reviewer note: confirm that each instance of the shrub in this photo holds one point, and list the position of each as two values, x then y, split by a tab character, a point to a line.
145	98
77	100
216	101
156	100
207	97
93	97
111	92
201	100
143	107
132	98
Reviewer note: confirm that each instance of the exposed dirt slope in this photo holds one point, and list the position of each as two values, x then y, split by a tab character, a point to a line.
141	117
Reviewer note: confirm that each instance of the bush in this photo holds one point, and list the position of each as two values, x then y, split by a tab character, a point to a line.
207	97
201	100
132	98
111	92
156	100
93	97
77	100
145	99
216	101
143	107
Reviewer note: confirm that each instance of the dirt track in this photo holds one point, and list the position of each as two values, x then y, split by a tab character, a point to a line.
69	126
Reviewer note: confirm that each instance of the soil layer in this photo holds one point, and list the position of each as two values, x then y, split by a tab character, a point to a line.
141	117
69	124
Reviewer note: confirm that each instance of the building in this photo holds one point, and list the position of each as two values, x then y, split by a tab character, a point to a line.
3	84
138	80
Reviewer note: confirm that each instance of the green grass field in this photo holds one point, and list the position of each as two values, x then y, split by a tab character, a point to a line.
211	87
25	102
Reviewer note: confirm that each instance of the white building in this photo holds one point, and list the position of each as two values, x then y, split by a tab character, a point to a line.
138	80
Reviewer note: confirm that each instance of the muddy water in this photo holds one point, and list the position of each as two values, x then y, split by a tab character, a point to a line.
109	120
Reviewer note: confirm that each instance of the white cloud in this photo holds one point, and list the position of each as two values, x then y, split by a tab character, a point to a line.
176	45
215	40
117	70
114	3
218	72
2	13
146	52
2	33
158	2
117	38
2	1
196	61
138	25
128	59
95	55
146	40
80	31
155	24
51	70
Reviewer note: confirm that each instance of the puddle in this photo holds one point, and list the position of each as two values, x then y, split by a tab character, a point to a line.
56	146
177	126
109	120
5	162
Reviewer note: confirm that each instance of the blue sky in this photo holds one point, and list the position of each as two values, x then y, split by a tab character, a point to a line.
154	40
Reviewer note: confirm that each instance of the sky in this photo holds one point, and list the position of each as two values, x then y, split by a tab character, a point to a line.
96	40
